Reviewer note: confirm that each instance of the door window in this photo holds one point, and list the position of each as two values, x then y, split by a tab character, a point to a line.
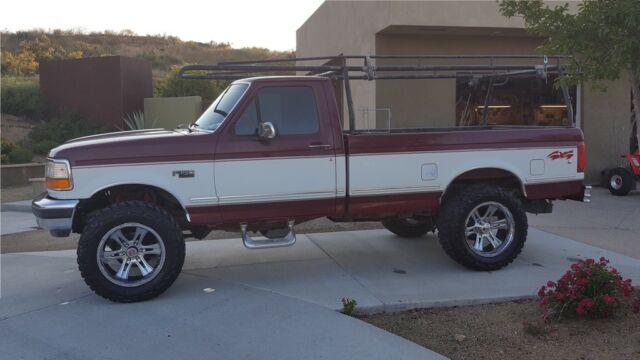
292	110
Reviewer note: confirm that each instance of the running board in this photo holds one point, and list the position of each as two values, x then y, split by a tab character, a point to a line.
250	243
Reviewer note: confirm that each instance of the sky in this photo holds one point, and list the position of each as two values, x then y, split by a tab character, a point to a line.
242	23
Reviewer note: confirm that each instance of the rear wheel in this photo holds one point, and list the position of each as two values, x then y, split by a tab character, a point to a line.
620	181
408	227
483	227
131	251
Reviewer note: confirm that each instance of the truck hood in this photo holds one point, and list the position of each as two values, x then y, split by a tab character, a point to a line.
137	146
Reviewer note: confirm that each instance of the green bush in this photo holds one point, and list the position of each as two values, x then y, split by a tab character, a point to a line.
21	97
20	156
162	62
45	137
171	86
14	154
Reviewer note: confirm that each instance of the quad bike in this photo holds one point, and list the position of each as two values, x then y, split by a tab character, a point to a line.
621	180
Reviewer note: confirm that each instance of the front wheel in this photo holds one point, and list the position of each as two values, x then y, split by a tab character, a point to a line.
620	181
483	227
131	251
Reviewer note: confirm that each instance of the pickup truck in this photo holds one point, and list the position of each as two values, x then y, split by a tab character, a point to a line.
270	152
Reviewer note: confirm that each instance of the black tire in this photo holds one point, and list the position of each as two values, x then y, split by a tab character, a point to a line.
453	221
407	228
101	222
620	181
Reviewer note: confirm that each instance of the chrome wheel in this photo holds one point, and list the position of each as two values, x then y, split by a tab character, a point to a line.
490	229
615	182
131	254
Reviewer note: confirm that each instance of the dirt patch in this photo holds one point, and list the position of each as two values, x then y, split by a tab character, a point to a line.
14	128
514	330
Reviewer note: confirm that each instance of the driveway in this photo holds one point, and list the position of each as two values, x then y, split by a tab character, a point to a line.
230	302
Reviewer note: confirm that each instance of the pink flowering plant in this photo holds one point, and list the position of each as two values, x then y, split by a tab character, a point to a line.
588	289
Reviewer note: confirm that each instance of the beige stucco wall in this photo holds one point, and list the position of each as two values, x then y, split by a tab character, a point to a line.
475	27
606	125
169	112
431	103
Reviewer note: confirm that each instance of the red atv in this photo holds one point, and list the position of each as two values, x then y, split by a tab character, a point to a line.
621	180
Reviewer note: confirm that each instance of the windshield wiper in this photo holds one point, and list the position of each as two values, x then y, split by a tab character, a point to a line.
221	112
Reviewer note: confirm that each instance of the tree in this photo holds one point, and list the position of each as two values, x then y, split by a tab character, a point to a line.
603	38
172	85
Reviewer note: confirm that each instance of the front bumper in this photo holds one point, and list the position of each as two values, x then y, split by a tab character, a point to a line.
54	215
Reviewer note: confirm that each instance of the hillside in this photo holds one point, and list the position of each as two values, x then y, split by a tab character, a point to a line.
22	50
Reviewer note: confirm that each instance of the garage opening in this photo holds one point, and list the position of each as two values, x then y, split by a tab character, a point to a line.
513	101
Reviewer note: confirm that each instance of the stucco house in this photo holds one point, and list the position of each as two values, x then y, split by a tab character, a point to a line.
460	27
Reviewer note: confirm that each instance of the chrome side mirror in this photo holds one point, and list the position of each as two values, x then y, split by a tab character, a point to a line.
266	130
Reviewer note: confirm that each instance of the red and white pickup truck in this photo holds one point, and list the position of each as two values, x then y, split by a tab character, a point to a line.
269	153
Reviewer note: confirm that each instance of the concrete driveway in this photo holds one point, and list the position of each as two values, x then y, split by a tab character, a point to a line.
231	302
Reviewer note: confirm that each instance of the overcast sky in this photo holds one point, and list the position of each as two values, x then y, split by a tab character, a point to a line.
267	23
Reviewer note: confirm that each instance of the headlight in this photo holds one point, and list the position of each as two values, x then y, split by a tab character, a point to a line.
58	175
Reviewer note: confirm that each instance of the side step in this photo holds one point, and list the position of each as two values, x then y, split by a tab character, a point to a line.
250	243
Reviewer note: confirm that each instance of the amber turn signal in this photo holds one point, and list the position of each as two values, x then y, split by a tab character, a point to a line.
58	184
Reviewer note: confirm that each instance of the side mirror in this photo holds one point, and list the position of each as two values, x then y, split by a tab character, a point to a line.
266	130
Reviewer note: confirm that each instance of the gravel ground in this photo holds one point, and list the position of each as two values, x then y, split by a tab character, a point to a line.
514	330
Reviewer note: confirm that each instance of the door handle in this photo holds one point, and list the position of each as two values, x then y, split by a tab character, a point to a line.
320	146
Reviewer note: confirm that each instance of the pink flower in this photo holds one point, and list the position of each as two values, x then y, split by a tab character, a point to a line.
558	295
551	284
582	281
544	301
541	292
589	261
580	310
608	299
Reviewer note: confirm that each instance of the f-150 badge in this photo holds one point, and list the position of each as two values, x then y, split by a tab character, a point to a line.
561	155
184	173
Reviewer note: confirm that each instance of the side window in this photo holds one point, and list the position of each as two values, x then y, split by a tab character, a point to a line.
291	109
247	124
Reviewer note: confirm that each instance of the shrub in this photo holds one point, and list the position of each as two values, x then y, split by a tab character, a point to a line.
21	97
20	156
14	154
163	62
588	289
348	305
137	121
171	85
45	137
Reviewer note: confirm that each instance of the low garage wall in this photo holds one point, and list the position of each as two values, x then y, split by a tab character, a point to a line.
19	174
169	112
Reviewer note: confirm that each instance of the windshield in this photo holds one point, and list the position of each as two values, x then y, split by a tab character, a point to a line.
220	108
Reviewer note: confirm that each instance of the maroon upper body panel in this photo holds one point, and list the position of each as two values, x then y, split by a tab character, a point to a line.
140	146
462	139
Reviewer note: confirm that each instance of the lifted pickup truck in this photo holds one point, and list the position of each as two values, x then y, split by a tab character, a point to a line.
270	152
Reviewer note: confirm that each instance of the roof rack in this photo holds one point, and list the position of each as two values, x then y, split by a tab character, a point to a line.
380	67
388	67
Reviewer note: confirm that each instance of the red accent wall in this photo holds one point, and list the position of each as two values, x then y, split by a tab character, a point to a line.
102	89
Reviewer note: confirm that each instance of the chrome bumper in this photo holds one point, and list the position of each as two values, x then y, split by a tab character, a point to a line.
54	215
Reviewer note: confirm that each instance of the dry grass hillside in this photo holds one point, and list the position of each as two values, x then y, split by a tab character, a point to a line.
22	50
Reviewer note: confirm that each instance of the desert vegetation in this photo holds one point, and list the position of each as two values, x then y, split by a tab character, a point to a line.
22	51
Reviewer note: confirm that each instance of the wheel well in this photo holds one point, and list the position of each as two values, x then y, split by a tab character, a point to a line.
492	176
127	192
